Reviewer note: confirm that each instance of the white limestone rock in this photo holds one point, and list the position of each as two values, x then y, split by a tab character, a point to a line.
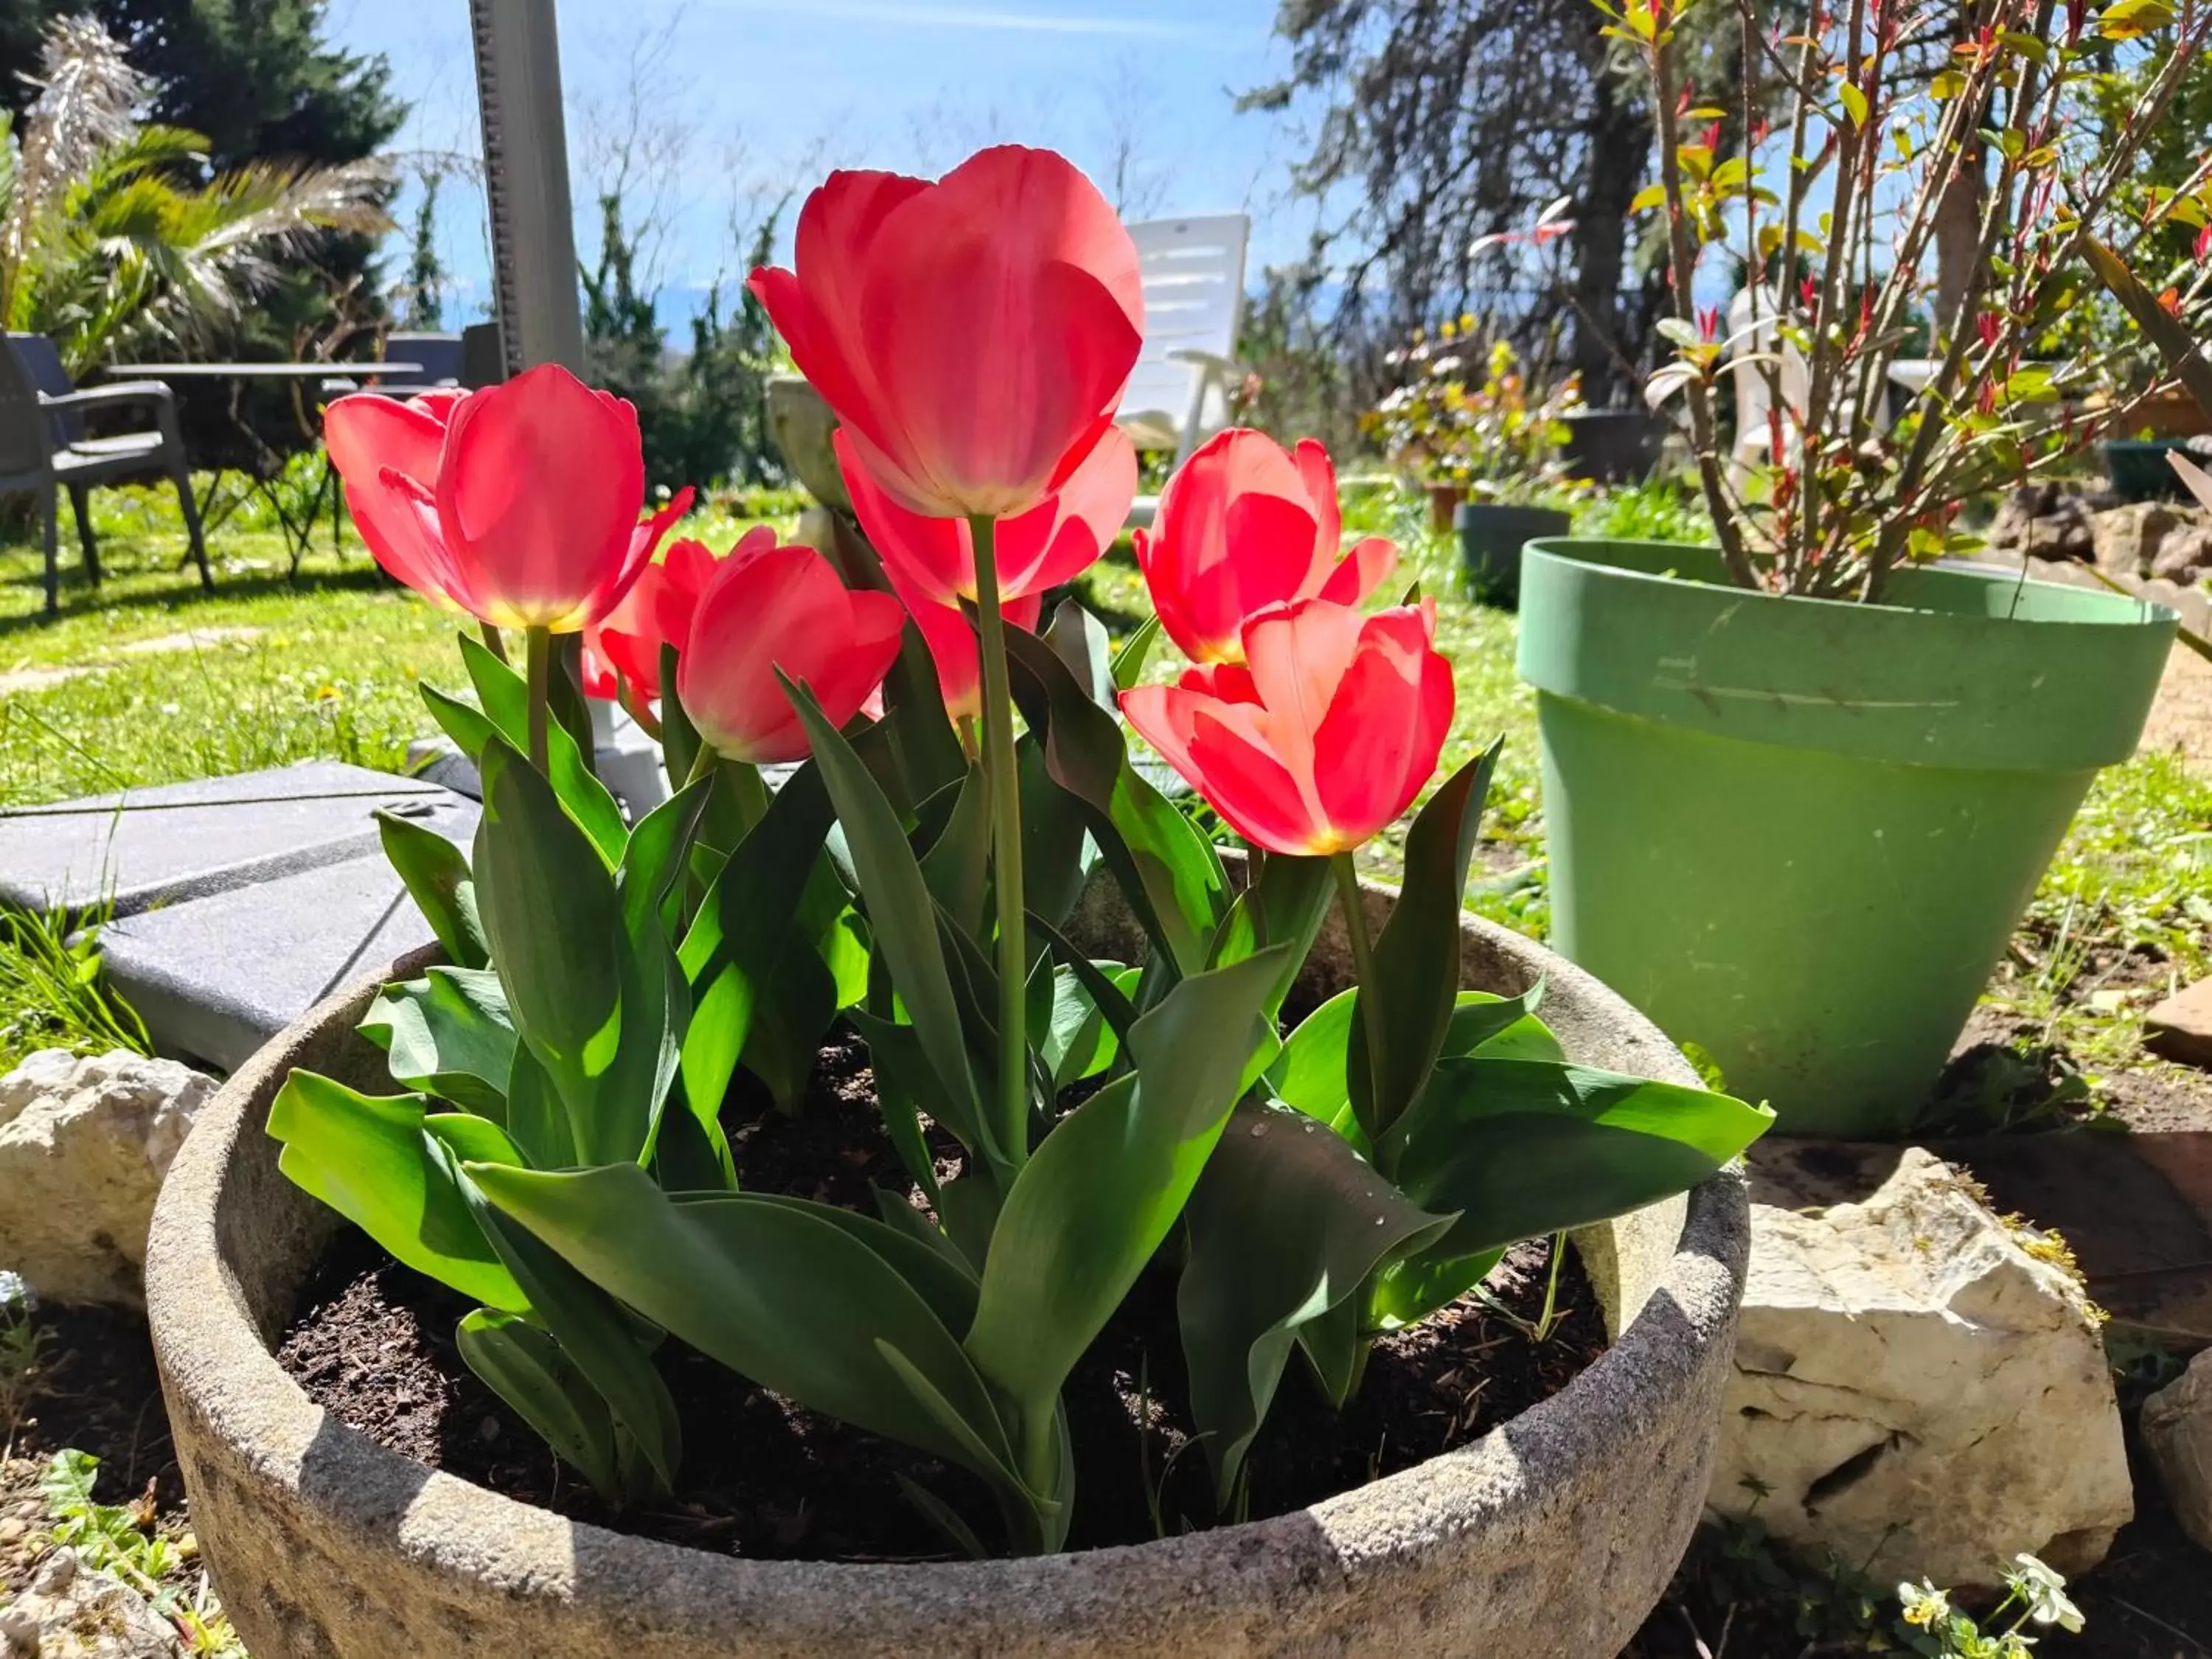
1916	1391
71	1611
2177	1432
84	1142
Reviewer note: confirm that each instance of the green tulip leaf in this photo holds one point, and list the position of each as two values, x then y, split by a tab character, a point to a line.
1524	1147
1417	954
744	932
1167	869
1057	852
436	874
1310	1073
957	866
447	1034
600	1338
527	1369
593	1005
1096	1198
801	1298
1081	641
505	699
1077	1040
370	1159
901	915
536	1119
1408	1290
1129	660
1287	1222
1286	906
679	739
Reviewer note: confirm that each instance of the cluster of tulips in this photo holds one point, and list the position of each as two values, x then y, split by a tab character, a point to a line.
559	1154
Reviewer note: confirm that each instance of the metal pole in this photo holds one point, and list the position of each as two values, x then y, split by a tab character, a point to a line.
526	151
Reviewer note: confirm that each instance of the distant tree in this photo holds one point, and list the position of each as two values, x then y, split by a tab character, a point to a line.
1446	125
105	238
703	416
421	296
258	79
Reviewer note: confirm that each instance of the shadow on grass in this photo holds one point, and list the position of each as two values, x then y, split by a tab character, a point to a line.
153	580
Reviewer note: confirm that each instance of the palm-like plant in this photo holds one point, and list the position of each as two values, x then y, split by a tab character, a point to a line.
107	235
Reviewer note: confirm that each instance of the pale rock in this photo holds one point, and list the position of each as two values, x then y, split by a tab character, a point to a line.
2130	539
84	1142
1914	1391
2177	1432
71	1611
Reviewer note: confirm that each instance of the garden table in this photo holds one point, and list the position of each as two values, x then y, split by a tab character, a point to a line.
267	466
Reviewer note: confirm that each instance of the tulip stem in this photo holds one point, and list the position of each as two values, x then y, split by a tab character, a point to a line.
493	644
1003	781
749	789
1363	966
537	660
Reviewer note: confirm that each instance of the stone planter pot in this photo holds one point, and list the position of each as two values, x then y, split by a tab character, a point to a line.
1553	1534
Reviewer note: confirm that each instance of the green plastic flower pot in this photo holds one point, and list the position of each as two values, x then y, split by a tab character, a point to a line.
1490	538
1798	832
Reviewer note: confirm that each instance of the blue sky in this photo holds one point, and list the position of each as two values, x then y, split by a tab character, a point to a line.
726	103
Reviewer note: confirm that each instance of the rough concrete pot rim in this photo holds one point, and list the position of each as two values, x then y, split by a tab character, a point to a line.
215	1363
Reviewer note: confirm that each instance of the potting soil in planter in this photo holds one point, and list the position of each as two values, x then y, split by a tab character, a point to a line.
372	1344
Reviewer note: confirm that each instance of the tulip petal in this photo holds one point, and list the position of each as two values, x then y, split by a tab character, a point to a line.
771	607
1363	750
1361	571
539	491
365	433
1002	314
932	555
398	521
1064	535
1218	750
1318	473
1299	655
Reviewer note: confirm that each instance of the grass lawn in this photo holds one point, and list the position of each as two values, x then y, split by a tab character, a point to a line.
151	682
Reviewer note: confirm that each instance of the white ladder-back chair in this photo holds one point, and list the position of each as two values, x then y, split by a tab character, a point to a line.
1193	276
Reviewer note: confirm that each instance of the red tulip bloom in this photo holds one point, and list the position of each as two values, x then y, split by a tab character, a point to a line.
1242	525
932	561
974	335
1322	736
518	504
767	607
656	612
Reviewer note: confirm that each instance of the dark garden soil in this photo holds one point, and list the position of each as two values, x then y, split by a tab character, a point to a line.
373	1345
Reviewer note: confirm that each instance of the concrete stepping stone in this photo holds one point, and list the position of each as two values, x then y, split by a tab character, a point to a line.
216	977
179	842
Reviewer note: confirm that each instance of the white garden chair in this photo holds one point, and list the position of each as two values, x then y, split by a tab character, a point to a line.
1194	277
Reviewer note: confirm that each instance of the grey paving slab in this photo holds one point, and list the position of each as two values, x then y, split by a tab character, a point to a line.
186	841
214	978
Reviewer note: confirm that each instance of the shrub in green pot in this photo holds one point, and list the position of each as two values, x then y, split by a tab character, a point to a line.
1799	785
